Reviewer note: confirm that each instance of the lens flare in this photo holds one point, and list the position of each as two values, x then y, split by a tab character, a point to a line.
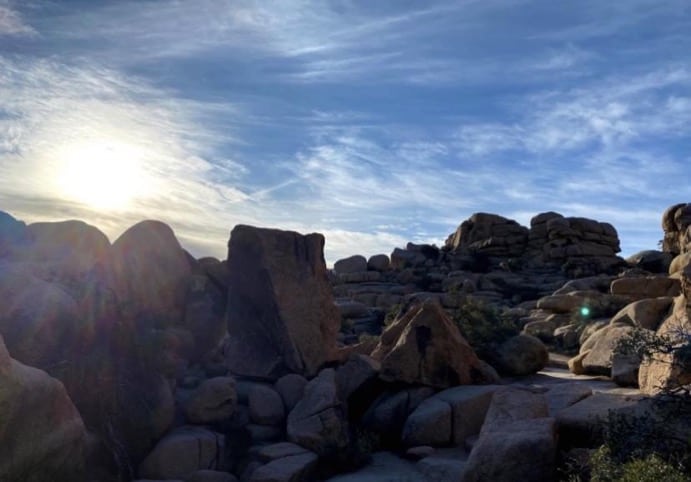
585	311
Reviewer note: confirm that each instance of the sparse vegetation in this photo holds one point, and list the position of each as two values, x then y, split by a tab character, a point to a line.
483	325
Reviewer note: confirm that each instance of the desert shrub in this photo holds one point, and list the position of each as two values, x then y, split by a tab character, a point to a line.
483	325
602	466
659	434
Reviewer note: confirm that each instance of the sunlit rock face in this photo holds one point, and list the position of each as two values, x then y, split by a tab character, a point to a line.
281	315
425	347
676	223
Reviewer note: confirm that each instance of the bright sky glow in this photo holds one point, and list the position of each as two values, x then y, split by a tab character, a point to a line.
101	173
375	123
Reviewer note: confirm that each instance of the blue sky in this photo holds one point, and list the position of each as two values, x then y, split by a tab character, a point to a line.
373	122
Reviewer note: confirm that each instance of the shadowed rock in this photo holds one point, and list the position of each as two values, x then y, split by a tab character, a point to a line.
281	316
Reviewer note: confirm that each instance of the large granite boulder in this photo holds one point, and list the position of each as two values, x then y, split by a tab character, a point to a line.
39	320
521	355
184	451
491	235
152	274
41	433
318	421
425	347
62	252
281	315
518	440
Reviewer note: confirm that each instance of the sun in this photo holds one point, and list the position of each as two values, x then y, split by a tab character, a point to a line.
103	174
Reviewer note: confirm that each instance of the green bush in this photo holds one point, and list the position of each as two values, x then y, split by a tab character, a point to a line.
483	325
652	468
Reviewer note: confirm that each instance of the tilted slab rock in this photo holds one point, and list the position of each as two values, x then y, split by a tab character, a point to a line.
281	315
425	347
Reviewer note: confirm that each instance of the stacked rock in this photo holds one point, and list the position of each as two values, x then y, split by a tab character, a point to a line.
676	223
491	235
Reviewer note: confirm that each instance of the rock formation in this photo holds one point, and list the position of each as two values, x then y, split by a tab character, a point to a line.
281	316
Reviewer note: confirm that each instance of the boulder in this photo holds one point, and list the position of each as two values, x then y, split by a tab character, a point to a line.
62	252
647	313
517	440
266	405
522	355
183	451
41	433
269	453
152	273
646	287
449	417
291	387
353	264
378	262
519	450
651	260
601	346
281	315
318	421
292	468
214	400
39	320
390	410
425	347
491	235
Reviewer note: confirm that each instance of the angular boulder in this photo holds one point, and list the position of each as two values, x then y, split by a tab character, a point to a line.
281	315
425	347
318	421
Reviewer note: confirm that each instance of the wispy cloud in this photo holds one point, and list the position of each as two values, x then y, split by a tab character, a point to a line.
12	23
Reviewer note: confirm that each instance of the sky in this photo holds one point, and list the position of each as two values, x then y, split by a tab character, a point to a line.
373	122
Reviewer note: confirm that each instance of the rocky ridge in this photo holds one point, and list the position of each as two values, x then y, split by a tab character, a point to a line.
147	363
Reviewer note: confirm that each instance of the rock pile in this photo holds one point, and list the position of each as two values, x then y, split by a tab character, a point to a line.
152	364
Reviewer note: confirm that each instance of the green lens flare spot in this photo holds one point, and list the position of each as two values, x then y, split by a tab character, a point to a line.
585	311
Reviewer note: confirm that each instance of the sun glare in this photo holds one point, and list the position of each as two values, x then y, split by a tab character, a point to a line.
101	174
